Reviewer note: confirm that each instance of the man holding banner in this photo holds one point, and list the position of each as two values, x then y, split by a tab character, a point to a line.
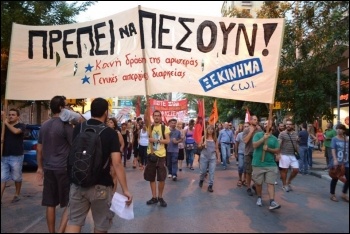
157	168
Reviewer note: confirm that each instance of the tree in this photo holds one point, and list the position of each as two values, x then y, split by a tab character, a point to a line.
314	39
34	13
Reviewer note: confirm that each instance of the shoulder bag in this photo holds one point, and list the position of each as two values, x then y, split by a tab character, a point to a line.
296	153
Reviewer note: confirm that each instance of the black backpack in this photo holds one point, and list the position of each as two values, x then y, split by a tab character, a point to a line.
85	160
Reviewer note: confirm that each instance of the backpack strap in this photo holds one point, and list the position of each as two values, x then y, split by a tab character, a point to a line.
163	131
97	128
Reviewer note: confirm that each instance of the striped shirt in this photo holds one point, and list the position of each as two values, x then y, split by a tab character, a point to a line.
286	144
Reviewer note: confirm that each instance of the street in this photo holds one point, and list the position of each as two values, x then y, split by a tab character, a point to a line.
192	209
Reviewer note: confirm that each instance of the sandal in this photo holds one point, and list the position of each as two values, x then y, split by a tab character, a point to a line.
239	183
345	198
15	199
244	183
334	198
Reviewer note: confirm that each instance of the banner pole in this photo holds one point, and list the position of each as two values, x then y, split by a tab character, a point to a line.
3	125
269	125
204	126
147	119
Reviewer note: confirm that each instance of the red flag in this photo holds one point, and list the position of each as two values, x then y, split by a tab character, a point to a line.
198	128
247	116
165	119
214	115
138	106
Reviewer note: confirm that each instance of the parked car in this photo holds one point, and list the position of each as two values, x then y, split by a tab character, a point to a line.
30	143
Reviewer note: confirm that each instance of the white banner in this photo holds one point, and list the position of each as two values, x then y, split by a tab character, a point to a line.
120	55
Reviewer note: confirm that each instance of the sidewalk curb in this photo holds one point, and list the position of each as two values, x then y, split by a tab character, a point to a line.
323	176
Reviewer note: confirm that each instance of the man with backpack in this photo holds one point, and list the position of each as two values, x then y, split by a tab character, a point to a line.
157	167
96	193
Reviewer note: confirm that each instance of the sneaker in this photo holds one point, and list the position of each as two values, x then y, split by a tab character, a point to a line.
162	202
152	201
224	168
201	183
259	202
249	191
210	188
237	163
276	183
274	205
285	188
290	187
174	178
169	176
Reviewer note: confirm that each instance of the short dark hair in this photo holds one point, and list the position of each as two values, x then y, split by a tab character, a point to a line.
15	110
304	125
98	107
57	103
157	111
341	126
171	120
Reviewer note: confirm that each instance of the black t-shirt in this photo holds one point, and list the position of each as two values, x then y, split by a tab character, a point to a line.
13	143
110	143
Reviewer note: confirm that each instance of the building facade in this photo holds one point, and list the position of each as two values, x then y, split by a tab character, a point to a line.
251	6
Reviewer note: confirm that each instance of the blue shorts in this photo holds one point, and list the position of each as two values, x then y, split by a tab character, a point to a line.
11	168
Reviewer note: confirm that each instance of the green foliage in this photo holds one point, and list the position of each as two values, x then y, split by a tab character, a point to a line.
34	13
37	13
315	33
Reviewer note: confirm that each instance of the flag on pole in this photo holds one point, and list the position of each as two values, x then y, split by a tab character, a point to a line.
138	106
165	121
247	116
214	115
198	127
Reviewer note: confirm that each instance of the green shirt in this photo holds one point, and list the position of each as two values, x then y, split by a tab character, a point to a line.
269	160
328	135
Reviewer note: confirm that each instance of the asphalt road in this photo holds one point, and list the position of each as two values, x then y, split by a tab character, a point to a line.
192	209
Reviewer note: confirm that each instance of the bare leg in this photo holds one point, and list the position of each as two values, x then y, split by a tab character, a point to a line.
73	229
18	186
292	175
248	179
258	188
2	189
64	220
283	173
271	191
51	218
161	185
179	163
153	188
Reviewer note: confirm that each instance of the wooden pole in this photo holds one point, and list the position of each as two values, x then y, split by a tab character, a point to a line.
269	125
205	135
3	126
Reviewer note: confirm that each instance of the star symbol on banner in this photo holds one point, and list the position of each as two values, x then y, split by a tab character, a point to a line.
86	80
88	68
